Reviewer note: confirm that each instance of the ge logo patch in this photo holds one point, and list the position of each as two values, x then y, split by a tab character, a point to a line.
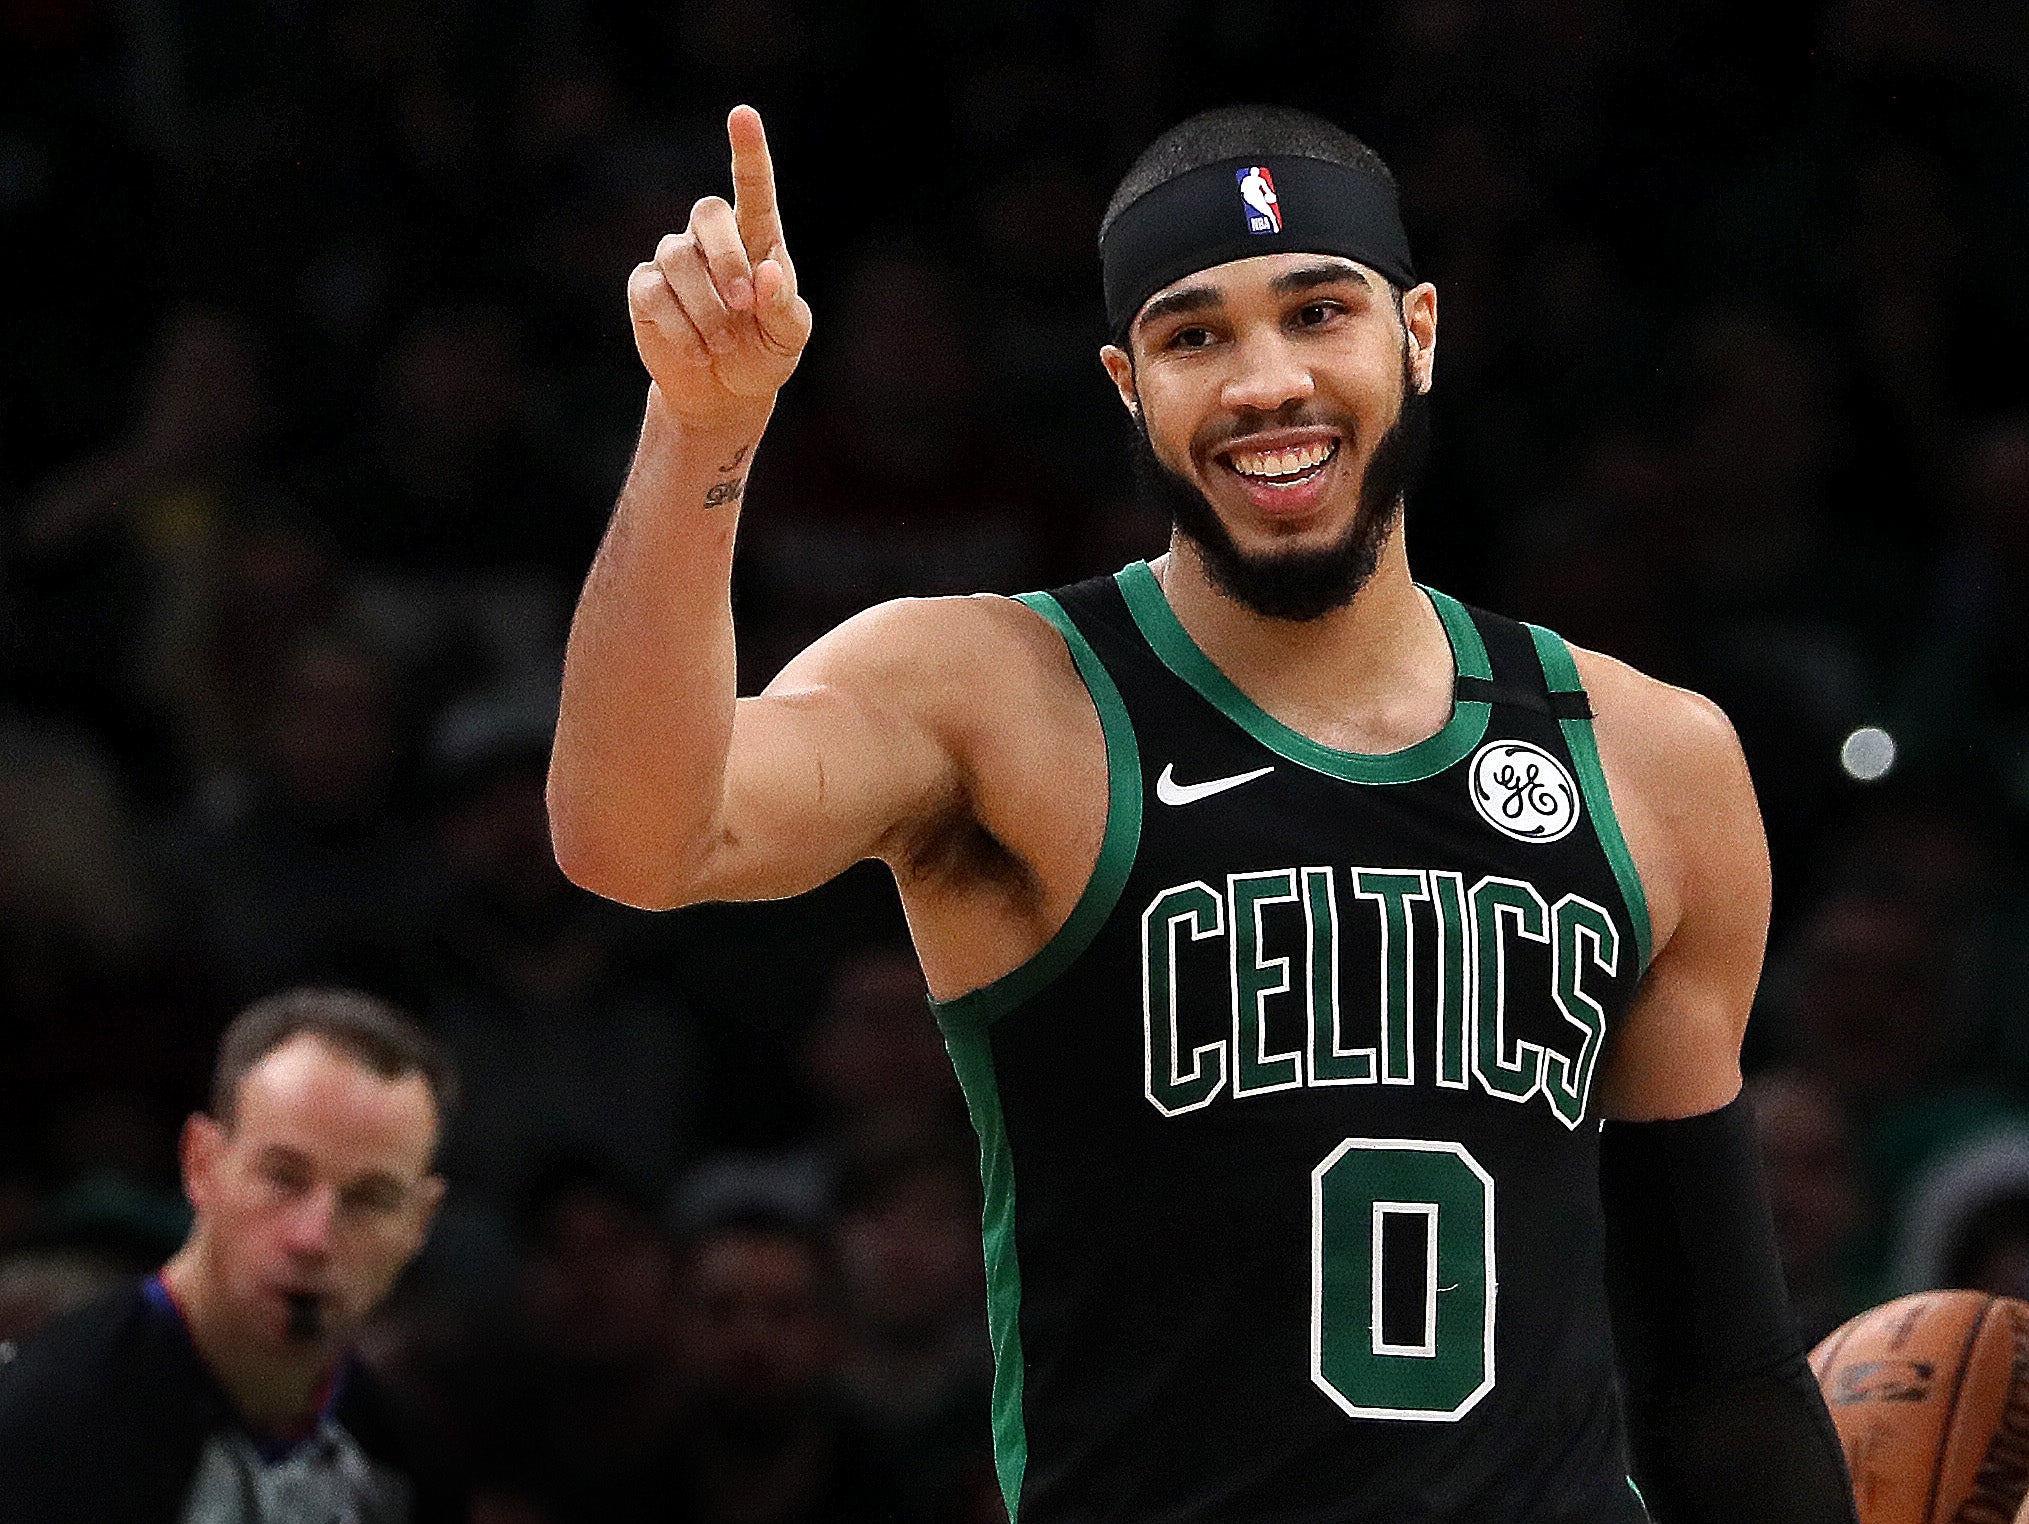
1524	792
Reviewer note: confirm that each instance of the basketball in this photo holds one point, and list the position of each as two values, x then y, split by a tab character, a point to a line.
1930	1395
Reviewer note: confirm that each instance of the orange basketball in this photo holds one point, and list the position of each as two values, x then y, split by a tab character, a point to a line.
1931	1398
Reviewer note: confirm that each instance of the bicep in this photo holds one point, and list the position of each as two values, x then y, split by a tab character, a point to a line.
840	756
816	781
1677	1050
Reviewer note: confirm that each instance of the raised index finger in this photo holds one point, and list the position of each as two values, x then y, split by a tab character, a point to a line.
753	184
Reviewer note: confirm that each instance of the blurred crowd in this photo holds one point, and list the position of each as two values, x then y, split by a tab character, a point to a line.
317	389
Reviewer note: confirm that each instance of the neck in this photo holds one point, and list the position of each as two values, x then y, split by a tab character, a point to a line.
274	1390
1374	676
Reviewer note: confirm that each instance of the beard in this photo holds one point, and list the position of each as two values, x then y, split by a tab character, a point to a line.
1303	584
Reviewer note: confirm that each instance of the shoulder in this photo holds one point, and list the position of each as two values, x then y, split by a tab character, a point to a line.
388	1433
59	1366
1681	789
1653	724
100	1382
928	634
961	659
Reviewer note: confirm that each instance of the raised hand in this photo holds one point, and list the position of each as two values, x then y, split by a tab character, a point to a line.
716	315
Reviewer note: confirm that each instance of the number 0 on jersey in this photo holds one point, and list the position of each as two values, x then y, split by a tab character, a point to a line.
1432	1359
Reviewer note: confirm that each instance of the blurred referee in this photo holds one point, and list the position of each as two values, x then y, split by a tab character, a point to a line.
219	1391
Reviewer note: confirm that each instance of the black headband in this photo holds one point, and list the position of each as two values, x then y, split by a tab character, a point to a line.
1270	204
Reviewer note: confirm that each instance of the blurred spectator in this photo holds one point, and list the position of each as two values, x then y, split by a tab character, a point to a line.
1966	1222
565	1047
573	1405
797	1187
457	473
918	1370
306	873
1874	1003
1917	846
1593	562
1961	700
1815	1192
110	556
38	1286
876	1062
73	889
1880	1019
96	992
899	476
759	1339
273	582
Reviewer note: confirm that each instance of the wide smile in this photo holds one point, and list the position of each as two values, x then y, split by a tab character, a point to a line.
1283	474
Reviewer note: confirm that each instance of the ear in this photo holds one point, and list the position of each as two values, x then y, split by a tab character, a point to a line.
1120	369
1419	318
199	1148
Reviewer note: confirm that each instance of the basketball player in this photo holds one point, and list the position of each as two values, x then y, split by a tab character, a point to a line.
1292	927
219	1391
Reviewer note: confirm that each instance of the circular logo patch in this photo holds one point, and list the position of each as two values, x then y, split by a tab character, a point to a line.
1524	792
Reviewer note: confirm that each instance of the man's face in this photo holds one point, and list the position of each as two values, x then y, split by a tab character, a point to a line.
1281	400
756	1332
314	1198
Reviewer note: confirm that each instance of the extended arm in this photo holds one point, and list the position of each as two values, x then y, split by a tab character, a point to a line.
663	788
1724	1419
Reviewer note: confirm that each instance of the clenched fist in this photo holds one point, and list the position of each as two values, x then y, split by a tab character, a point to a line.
716	315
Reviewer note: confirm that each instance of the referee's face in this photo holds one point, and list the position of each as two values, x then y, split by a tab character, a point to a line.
312	1200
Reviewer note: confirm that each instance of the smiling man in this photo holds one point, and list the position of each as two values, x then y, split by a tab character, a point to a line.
219	1391
1348	985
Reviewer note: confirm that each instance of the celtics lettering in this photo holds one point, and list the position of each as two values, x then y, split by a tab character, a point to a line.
1455	992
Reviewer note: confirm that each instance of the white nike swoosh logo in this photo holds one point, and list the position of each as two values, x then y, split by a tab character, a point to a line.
1169	791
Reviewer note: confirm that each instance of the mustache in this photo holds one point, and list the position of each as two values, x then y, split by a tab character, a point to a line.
1215	436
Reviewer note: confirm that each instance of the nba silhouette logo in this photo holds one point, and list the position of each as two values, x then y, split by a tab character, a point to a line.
1257	194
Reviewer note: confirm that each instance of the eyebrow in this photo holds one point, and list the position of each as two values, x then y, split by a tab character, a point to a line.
1200	298
1189	299
1307	277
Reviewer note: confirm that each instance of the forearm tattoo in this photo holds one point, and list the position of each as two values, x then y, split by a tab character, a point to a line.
720	493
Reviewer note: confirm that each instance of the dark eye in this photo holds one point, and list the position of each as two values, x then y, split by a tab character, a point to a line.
1310	314
1190	338
286	1177
375	1198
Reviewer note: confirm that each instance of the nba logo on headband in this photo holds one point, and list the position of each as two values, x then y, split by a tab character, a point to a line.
1257	194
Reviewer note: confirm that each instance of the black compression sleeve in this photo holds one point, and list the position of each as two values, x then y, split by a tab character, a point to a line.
1725	1421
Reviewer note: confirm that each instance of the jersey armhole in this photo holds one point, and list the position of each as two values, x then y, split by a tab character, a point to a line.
1560	673
1117	847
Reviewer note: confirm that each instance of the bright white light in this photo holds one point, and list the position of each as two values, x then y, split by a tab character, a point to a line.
1868	754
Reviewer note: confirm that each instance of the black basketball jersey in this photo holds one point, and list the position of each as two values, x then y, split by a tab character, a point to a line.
1292	1210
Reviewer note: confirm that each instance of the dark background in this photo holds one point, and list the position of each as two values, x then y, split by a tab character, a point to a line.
316	388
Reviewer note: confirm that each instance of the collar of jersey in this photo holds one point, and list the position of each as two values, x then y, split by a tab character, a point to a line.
272	1449
1173	645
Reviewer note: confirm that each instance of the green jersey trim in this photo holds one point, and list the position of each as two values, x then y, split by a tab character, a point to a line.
972	1056
1172	643
1116	848
1561	672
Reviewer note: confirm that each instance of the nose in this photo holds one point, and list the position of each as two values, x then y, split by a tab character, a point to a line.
307	1232
1270	373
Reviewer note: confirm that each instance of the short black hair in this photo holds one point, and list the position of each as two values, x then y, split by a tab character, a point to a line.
1239	132
380	1037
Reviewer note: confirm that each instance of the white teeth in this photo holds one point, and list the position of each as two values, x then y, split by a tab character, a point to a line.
1289	462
